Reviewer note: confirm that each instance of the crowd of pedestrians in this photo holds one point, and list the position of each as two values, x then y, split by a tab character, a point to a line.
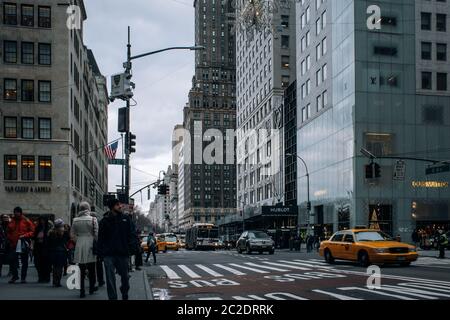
101	248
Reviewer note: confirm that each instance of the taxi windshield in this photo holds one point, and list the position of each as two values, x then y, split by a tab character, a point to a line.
171	238
371	236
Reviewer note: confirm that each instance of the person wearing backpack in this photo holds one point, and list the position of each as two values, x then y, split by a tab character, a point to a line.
151	245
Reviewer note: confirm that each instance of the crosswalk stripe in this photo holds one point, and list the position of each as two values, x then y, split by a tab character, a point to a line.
288	266
336	295
266	267
189	272
314	263
170	273
377	292
233	271
304	264
208	270
248	268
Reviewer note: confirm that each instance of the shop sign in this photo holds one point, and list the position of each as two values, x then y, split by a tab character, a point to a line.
277	210
430	184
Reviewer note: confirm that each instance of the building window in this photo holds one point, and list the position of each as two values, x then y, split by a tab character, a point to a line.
45	17
304	116
45	168
27	52
10	51
426	80
285	62
10	91
10	127
28	168
441	52
441	83
45	128
426	50
27	15
27	128
45	54
385	51
10	13
285	42
45	91
441	22
27	90
425	20
10	167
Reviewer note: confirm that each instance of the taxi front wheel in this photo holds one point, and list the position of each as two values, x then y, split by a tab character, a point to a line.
328	256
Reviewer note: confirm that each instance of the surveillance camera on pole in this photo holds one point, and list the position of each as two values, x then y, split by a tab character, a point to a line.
121	86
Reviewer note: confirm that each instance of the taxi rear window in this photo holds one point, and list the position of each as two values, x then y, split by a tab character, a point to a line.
337	237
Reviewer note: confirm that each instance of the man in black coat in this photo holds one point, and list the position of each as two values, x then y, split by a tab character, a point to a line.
116	242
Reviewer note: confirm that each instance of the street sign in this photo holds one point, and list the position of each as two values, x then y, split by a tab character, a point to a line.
116	162
438	169
399	170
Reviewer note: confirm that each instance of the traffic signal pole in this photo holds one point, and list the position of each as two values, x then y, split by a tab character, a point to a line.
127	134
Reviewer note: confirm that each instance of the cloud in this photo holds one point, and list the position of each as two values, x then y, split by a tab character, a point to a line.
162	81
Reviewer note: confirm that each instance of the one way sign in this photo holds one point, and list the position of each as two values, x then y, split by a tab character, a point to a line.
399	170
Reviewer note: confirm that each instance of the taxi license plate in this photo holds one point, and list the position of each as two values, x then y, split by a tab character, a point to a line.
401	258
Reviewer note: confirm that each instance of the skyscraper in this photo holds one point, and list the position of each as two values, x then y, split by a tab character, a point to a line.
209	188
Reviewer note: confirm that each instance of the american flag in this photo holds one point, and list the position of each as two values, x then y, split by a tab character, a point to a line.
111	150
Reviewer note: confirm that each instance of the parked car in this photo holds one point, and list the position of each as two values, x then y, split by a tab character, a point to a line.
259	241
367	246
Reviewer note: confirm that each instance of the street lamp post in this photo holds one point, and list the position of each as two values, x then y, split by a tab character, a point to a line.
128	67
308	205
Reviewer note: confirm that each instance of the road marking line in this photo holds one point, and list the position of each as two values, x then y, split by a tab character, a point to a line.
248	268
315	261
208	270
256	297
336	295
189	272
234	271
425	292
377	292
315	264
304	264
266	267
407	292
289	266
426	286
170	273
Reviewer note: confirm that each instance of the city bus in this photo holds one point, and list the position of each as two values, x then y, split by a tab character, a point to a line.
202	236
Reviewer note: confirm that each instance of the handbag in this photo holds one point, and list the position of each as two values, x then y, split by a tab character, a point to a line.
94	242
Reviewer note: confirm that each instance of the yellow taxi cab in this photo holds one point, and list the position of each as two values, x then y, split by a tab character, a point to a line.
166	241
367	246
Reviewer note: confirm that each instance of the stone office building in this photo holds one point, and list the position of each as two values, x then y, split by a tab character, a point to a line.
379	84
53	112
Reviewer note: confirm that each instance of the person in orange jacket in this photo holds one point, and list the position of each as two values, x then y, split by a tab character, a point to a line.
21	228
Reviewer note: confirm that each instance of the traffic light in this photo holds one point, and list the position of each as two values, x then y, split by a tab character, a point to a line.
128	85
369	171
130	142
377	169
123	122
308	206
163	189
373	171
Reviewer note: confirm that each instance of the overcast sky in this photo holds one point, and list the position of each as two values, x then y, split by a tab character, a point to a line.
162	81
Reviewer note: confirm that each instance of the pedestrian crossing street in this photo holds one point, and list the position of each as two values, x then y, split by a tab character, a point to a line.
216	270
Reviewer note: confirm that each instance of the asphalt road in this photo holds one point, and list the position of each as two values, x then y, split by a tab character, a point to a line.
227	275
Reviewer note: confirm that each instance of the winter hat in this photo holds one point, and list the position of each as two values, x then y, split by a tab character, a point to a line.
59	223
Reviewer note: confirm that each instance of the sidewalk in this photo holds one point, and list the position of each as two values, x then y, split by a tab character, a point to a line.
432	253
139	289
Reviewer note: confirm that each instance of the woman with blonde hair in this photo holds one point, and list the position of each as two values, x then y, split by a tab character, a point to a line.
85	233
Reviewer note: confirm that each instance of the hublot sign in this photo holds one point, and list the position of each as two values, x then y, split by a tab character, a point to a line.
26	189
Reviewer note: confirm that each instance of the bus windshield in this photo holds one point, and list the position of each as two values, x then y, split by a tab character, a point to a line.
208	233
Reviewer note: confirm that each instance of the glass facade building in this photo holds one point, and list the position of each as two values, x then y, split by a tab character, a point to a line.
375	99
